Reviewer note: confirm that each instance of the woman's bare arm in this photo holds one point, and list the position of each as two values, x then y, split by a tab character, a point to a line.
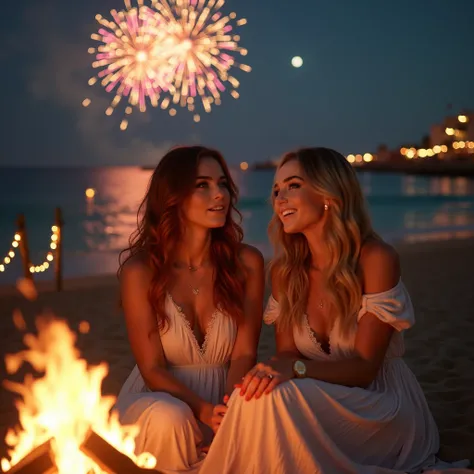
145	339
244	353
380	272
380	268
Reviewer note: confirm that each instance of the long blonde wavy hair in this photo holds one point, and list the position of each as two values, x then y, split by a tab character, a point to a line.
347	226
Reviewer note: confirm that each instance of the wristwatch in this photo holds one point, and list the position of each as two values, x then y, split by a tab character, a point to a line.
299	369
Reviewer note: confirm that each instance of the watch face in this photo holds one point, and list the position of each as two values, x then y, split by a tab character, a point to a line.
300	368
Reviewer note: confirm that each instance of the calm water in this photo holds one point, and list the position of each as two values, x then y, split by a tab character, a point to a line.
402	207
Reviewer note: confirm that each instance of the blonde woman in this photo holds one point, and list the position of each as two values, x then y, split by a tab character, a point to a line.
338	397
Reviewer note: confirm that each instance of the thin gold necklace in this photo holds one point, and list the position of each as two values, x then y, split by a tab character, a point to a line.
191	268
196	289
317	269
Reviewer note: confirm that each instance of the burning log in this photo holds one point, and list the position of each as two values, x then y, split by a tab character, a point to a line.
108	458
38	461
61	406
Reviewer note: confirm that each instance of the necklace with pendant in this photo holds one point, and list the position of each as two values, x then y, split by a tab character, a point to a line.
317	269
195	289
193	269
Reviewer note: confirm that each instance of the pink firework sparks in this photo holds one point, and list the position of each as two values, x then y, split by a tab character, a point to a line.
200	50
128	57
175	52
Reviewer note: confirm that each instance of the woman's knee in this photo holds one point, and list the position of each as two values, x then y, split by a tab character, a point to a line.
157	409
170	413
278	393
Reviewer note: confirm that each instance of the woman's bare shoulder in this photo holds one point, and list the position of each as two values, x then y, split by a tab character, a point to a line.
251	257
379	266
377	251
137	267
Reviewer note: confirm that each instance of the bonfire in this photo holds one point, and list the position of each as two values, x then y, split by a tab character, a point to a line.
65	426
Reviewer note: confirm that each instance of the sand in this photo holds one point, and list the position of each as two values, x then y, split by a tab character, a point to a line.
440	348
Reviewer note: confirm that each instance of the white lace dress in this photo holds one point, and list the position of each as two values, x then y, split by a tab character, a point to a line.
307	426
168	428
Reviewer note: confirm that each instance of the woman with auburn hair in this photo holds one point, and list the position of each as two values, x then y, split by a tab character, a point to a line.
192	295
338	397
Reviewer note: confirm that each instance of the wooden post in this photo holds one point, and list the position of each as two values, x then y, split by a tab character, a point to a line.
59	250
24	248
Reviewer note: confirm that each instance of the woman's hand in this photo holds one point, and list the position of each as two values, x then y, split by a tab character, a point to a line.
217	417
206	414
212	416
264	377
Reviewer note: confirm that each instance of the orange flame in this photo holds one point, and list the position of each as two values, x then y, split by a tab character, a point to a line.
63	404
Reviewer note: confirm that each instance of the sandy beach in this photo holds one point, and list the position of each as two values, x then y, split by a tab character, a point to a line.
440	348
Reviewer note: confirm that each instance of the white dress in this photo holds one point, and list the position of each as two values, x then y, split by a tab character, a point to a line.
306	426
168	428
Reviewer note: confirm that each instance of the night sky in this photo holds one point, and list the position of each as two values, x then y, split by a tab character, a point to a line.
374	72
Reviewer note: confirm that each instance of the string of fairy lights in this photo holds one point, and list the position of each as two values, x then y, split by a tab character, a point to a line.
11	253
42	267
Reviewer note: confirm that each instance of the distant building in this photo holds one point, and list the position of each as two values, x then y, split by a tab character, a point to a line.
438	135
457	128
470	128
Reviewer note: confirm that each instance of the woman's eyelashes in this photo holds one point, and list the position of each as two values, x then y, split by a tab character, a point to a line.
205	184
290	186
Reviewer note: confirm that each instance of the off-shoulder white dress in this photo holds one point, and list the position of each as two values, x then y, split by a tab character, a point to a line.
168	428
306	426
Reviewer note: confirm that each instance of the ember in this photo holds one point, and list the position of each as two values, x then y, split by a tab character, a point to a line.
66	424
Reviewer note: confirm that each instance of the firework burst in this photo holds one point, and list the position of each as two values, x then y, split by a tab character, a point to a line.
129	57
173	53
200	50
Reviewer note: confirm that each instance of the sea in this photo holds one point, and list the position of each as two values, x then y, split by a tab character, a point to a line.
404	208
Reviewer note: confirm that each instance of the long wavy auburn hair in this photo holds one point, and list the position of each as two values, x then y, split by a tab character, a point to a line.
347	226
160	227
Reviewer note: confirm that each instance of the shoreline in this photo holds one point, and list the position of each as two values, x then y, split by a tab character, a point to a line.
414	247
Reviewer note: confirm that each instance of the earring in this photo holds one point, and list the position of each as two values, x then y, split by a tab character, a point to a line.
326	207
